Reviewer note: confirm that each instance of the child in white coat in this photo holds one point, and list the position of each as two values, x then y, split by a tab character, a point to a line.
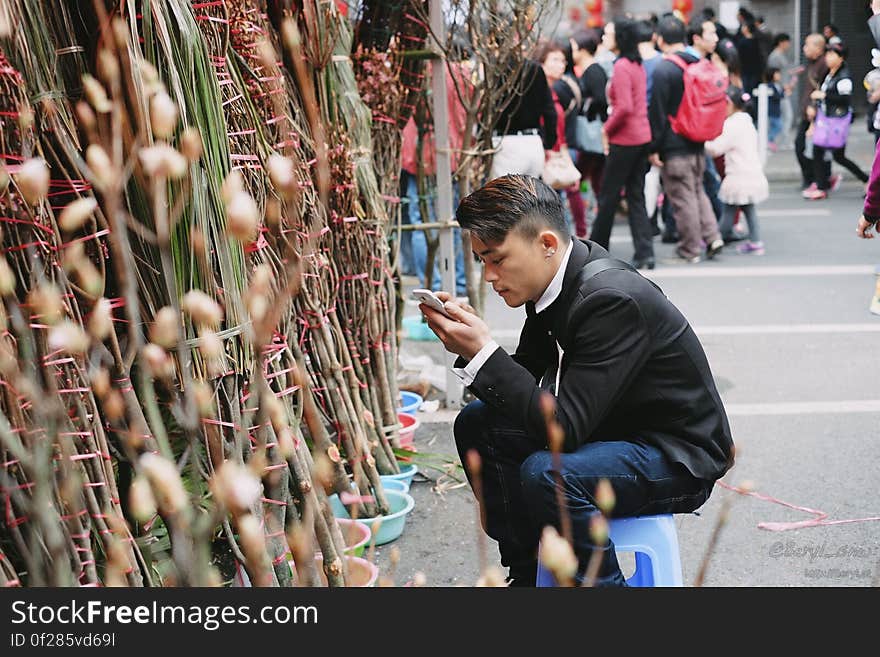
744	184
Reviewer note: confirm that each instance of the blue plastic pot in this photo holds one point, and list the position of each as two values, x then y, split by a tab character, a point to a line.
388	528
416	329
410	402
406	474
395	484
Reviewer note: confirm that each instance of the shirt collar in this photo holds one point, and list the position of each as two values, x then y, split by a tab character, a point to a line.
555	287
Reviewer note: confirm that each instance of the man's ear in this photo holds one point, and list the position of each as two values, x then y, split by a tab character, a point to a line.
550	241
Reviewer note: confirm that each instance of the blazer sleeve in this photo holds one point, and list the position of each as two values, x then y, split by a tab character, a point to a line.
601	363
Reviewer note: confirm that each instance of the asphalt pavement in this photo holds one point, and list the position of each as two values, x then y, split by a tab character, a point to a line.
795	354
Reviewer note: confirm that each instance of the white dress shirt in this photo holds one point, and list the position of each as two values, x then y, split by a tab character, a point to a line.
468	373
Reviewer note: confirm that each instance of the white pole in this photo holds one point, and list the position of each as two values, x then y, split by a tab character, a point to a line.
763	120
444	187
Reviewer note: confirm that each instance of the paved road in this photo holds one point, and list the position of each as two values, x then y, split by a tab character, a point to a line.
796	356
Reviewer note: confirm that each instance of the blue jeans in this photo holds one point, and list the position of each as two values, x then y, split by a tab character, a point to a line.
419	242
519	489
774	127
711	184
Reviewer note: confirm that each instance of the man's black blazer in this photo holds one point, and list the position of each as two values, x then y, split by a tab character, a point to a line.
632	369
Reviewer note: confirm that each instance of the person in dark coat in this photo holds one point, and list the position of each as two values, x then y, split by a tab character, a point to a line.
633	394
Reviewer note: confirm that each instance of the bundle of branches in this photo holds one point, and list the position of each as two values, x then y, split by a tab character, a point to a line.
136	340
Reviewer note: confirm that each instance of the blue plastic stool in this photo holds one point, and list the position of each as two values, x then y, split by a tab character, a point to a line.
654	541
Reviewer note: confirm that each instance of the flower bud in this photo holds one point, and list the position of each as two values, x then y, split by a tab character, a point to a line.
202	308
101	166
165	330
150	78
235	487
286	442
159	363
273	212
599	530
120	32
204	398
210	344
163	115
275	410
252	540
101	321
4	179
75	214
557	555
113	405
266	55
281	174
46	303
162	161
232	185
96	94
242	217
69	338
492	577
171	497
140	499
419	579
191	144
100	380
33	180
7	278
86	116
605	498
108	67
25	117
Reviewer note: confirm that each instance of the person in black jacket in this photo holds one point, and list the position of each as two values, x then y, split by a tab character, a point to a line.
634	394
682	162
526	126
835	100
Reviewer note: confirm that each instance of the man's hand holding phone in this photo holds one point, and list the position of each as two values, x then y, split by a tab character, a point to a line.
459	328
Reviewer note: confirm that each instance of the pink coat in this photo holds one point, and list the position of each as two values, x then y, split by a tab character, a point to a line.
744	180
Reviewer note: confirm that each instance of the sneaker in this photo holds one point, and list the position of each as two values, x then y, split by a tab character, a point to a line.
835	181
751	248
714	248
809	190
817	195
734	237
682	259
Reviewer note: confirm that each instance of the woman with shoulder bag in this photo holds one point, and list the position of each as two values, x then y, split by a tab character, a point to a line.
559	170
628	133
831	126
593	81
568	90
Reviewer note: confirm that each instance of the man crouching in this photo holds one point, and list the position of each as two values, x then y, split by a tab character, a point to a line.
634	393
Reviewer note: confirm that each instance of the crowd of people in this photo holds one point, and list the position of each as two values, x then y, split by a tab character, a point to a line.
615	107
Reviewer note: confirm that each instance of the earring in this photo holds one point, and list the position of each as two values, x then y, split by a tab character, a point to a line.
550	253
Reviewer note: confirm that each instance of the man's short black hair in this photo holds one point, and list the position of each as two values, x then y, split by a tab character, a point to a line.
780	38
512	202
645	31
695	28
672	30
709	14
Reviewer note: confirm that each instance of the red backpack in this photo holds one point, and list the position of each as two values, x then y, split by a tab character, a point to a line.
703	106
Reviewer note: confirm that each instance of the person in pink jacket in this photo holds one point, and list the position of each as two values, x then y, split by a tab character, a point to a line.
744	184
628	133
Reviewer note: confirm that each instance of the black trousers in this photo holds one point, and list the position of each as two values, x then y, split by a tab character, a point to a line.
823	169
625	168
808	170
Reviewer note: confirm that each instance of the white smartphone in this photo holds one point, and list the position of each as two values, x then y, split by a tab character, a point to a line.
431	300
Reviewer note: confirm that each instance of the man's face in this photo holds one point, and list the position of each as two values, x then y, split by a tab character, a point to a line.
812	49
518	268
708	39
784	46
